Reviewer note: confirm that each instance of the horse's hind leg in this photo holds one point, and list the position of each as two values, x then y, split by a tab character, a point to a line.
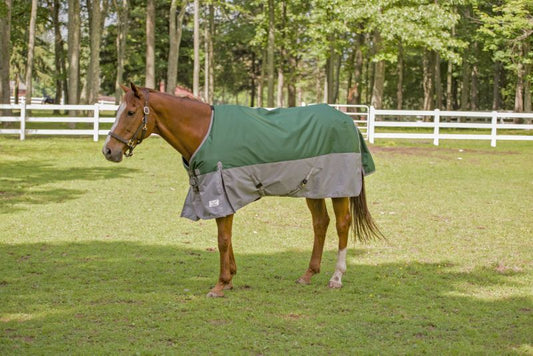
227	261
341	206
320	217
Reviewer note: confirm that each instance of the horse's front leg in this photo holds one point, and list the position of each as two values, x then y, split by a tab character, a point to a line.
227	262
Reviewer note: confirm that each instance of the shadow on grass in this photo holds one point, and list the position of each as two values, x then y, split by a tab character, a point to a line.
122	297
21	182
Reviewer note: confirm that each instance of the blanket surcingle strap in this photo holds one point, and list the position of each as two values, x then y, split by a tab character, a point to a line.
313	151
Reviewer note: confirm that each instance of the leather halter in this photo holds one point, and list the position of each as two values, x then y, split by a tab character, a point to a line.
135	139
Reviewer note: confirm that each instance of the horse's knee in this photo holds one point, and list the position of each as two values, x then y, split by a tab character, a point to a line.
321	223
224	242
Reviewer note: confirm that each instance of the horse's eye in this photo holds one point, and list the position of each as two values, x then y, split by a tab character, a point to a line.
131	113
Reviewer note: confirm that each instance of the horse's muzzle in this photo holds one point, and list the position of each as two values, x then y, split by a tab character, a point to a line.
112	155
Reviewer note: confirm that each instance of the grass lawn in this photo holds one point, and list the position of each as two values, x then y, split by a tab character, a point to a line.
94	258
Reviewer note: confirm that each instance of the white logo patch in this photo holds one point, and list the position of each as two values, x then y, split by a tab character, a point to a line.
214	203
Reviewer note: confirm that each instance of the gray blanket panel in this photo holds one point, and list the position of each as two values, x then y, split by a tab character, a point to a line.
223	192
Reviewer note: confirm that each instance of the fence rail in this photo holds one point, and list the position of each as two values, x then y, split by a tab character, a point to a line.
498	121
96	119
366	117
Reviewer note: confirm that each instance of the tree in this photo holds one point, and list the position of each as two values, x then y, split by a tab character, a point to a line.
209	55
150	44
74	36
175	33
5	35
97	14
508	31
122	9
31	48
270	54
59	53
196	70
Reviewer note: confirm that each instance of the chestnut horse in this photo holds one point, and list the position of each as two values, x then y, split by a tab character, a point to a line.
184	123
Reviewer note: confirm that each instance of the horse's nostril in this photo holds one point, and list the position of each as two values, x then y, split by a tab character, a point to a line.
106	151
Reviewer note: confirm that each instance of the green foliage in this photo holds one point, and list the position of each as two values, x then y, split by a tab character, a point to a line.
307	35
508	32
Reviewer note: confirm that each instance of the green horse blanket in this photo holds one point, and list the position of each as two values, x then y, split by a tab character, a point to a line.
313	151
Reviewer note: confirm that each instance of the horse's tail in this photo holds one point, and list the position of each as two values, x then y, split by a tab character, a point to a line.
363	225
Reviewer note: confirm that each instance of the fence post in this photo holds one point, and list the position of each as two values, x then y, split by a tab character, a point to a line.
370	124
96	124
23	119
493	132
436	122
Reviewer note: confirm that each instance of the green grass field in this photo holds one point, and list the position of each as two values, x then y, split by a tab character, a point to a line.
94	258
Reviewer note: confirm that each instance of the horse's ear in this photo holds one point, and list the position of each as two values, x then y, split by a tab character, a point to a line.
135	90
125	88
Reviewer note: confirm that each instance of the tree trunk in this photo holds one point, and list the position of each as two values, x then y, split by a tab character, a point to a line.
74	35
399	86
474	89
196	44
337	81
496	75
354	95
150	44
5	46
206	63
369	69
379	76
465	82
261	84
211	56
93	73
379	83
175	32
449	83
122	33
527	90
331	65
280	101
270	54
519	89
31	48
318	85
527	83
253	80
438	82
54	6
427	80
291	87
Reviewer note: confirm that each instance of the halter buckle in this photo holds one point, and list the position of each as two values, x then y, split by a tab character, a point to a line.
146	110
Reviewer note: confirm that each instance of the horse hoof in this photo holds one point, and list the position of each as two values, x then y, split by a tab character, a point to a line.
213	294
302	281
334	285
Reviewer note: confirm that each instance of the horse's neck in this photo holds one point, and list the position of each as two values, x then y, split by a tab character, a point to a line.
182	123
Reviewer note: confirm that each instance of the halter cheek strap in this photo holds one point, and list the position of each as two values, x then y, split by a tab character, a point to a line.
136	138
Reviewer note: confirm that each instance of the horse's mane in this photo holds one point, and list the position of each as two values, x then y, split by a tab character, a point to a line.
183	97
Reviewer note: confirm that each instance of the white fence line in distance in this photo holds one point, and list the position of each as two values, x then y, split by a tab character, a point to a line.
366	117
498	121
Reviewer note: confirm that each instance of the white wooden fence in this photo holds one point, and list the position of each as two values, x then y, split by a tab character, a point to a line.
496	122
96	119
366	117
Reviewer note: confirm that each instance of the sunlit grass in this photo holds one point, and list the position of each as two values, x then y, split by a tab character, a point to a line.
94	258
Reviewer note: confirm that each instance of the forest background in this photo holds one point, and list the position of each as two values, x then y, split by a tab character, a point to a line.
404	54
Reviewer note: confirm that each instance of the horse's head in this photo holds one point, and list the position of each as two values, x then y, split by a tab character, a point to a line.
131	126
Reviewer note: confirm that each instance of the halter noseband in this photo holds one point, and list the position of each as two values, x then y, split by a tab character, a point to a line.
135	140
